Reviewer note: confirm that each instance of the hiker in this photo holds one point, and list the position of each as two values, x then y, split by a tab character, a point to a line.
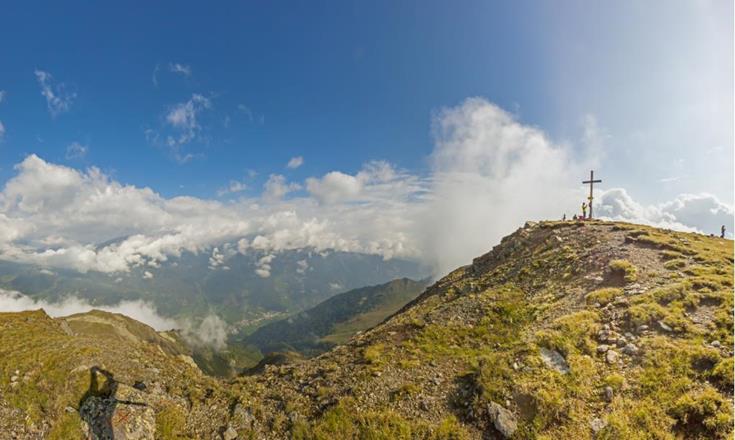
564	217
584	210
722	231
575	217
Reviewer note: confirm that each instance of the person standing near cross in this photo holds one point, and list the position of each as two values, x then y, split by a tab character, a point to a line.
592	181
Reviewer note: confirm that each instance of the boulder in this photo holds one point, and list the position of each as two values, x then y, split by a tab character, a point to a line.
609	393
229	434
553	359
503	420
611	356
597	424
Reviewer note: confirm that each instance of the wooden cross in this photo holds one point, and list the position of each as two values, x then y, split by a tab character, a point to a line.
592	182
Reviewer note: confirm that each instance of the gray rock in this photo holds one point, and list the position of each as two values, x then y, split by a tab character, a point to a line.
715	344
609	393
229	434
642	328
602	348
424	405
597	424
611	356
553	359
630	350
503	420
665	327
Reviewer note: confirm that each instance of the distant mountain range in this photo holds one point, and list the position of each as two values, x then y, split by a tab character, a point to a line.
244	290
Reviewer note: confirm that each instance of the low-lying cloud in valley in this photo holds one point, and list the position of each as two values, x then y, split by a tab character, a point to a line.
488	174
210	331
12	301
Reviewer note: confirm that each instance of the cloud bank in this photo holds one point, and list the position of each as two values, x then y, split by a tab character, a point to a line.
12	301
489	173
210	331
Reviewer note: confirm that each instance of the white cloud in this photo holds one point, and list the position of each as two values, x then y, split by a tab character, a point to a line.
246	110
12	301
181	69
334	187
263	267
302	266
276	187
2	96
295	162
234	186
218	257
212	331
2	130
182	126
154	76
58	99
489	173
147	275
75	150
702	213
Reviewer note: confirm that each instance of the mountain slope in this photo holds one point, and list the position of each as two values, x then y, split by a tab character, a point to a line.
95	374
335	320
564	330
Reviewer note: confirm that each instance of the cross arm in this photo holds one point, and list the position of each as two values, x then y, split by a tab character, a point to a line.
592	181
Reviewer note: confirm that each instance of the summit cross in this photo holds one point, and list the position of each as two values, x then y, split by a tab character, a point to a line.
592	182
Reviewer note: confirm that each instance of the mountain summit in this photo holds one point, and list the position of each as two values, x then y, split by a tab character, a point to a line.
564	330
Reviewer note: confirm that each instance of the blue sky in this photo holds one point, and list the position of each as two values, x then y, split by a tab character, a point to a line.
394	108
339	83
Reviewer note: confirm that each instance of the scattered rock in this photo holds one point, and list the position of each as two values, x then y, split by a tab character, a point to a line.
229	434
609	393
503	420
715	344
597	424
602	348
665	327
630	350
642	328
553	359
611	356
